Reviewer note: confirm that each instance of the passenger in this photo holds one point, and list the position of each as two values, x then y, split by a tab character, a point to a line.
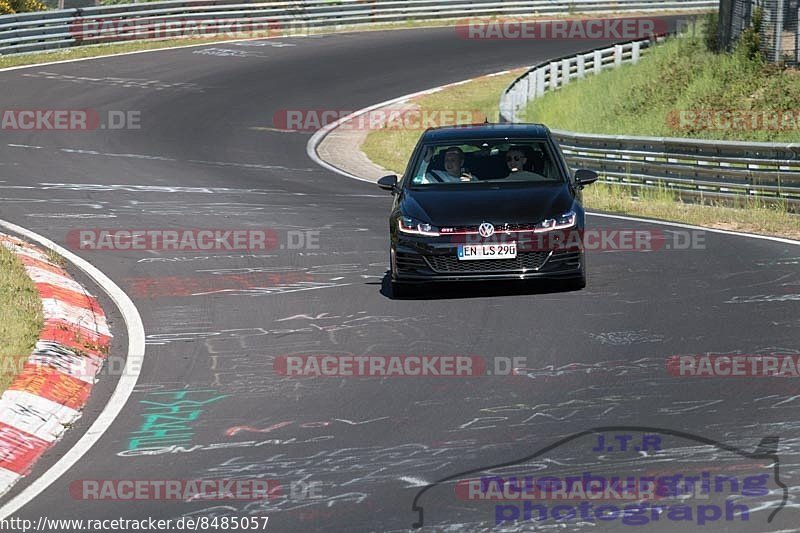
518	164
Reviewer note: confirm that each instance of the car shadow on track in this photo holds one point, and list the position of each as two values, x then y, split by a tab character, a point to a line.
474	289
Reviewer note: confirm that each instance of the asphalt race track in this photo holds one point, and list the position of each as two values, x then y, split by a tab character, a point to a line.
352	454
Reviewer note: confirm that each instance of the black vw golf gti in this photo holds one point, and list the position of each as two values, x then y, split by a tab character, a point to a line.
487	202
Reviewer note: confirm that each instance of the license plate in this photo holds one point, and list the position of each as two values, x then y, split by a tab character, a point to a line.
469	252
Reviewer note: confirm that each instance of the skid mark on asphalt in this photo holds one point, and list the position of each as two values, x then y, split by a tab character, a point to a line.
624	338
158	189
29	146
178	286
190	259
227	52
252	166
780	262
351	476
253	281
128	83
765	298
70	215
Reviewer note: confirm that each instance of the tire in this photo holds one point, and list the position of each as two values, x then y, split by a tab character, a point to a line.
579	284
576	284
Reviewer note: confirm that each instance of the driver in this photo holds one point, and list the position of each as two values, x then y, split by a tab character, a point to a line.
453	169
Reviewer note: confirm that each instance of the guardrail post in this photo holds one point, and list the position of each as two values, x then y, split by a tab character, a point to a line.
566	67
617	55
635	52
581	66
539	81
517	102
598	61
554	75
529	88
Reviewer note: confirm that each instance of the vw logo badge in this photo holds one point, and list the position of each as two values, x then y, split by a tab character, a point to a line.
486	230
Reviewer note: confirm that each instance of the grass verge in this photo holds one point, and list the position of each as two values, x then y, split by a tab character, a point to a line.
21	317
749	215
391	148
680	89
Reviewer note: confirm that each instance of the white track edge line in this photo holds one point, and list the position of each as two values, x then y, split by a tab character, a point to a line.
702	228
123	390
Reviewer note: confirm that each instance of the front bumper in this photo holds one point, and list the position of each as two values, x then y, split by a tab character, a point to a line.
436	259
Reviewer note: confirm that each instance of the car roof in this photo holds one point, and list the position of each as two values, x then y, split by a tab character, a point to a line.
486	131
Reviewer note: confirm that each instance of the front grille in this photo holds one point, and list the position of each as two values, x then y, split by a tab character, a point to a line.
449	264
498	228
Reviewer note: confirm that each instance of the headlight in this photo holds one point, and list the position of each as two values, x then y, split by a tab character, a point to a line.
567	220
413	226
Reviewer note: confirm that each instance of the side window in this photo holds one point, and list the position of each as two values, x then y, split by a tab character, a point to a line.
416	169
557	165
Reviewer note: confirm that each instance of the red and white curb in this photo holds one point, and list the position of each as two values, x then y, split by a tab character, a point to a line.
48	394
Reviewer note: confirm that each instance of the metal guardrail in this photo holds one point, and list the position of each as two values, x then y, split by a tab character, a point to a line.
49	30
693	167
557	72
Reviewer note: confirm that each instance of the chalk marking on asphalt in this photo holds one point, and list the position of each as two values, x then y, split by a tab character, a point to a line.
24	146
123	390
133	156
135	52
414	481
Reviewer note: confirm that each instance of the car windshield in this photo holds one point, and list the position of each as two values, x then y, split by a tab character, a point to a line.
484	161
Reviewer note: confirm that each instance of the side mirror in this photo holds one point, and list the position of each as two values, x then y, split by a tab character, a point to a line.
388	183
585	177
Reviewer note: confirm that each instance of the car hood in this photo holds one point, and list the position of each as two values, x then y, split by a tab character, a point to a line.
469	205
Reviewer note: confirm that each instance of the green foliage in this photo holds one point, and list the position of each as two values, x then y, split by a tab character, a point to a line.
9	7
712	32
678	76
749	45
116	2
